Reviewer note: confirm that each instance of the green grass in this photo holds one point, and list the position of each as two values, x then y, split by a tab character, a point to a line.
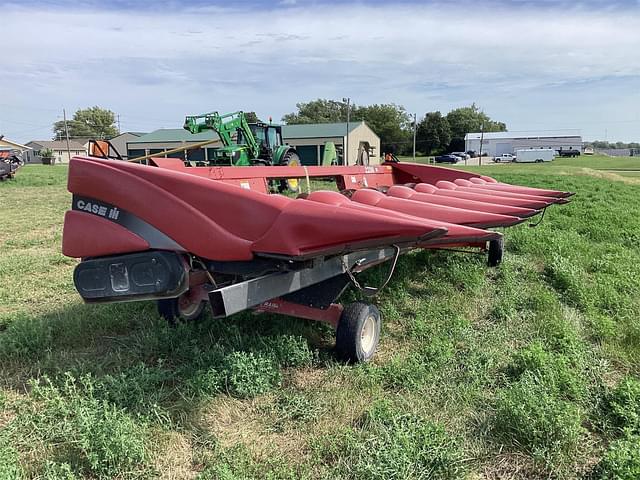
627	165
600	162
531	370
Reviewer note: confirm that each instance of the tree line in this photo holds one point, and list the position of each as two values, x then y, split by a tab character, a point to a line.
612	145
435	133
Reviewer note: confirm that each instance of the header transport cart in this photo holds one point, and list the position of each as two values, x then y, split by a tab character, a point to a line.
189	237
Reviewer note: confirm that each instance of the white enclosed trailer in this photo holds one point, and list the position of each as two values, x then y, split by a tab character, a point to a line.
535	155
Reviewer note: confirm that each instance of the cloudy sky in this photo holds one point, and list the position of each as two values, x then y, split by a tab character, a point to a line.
534	64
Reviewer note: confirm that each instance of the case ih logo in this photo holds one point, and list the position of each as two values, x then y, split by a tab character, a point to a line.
109	212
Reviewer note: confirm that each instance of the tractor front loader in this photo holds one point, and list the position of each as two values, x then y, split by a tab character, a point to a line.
245	143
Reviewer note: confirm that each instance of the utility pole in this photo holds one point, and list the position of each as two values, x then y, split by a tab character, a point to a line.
346	152
119	124
415	126
481	140
66	132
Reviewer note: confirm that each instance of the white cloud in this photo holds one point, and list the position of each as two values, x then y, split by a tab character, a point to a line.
154	67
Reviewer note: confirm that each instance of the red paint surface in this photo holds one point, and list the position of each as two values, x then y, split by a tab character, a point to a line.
410	194
330	315
223	222
434	212
87	235
224	213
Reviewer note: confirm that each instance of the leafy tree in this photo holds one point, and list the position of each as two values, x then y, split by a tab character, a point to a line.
470	119
433	133
318	111
93	122
391	123
251	117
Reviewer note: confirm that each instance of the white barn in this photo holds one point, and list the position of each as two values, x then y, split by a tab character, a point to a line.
497	143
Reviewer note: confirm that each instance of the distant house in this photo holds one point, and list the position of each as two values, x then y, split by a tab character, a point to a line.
309	140
59	148
5	143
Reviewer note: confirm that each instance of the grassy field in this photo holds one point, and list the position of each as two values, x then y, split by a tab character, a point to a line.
530	370
595	162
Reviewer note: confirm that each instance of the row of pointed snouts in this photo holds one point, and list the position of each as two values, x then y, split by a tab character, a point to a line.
452	212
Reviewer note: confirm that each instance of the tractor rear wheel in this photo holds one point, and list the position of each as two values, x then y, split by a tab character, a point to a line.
290	159
358	332
182	309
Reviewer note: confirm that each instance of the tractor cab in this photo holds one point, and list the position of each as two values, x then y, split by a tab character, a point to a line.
268	137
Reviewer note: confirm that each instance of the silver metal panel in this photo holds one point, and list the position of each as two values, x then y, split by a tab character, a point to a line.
250	293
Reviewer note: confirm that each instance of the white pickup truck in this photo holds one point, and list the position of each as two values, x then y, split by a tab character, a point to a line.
504	158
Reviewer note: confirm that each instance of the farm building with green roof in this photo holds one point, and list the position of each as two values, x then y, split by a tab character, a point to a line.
309	140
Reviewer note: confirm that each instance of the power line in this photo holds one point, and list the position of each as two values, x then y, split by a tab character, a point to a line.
22	107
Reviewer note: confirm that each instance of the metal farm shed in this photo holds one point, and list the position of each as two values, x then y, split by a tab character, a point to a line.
497	143
309	140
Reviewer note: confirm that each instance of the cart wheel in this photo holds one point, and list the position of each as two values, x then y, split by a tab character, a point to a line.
182	309
358	332
496	251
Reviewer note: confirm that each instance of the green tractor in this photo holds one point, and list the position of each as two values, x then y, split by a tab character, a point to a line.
244	143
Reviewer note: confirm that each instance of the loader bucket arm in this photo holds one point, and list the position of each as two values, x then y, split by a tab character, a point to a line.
225	126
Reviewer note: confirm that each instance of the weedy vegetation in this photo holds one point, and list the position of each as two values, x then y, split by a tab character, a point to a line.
531	370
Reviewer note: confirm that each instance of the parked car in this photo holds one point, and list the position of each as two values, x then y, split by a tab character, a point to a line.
504	158
472	153
462	155
569	153
448	158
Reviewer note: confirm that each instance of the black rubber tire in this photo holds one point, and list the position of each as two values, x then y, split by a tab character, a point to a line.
355	318
288	159
169	309
496	252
